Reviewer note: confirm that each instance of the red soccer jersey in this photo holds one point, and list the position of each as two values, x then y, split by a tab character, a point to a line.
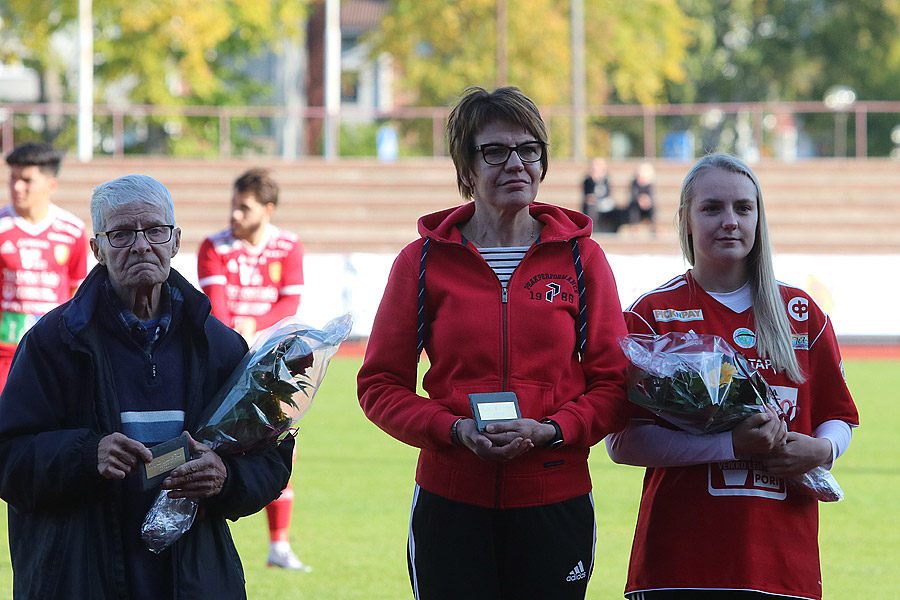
42	263
262	281
731	524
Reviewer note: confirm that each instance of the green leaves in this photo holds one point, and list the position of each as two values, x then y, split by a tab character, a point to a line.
159	52
697	382
633	48
687	401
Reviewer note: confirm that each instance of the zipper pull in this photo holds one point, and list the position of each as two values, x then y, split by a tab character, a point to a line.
153	370
503	296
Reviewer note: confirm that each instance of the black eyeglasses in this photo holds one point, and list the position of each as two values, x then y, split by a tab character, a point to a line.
498	154
125	238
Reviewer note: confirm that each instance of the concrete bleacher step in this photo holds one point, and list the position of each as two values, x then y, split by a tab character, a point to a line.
361	205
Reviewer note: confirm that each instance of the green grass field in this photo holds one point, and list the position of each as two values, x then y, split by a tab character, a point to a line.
354	483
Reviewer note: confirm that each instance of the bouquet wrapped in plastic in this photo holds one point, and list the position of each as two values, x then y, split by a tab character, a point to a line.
700	384
696	382
258	406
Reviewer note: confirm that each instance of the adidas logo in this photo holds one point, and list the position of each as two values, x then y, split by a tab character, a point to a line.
577	573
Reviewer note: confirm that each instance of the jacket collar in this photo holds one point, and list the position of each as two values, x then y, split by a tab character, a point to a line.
81	308
560	224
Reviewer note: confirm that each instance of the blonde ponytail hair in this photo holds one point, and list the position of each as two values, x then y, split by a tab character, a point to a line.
773	330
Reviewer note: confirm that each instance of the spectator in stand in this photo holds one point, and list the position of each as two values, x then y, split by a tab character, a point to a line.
642	206
43	248
253	275
132	360
598	202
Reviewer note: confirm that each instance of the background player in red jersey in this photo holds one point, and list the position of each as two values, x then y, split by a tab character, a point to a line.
253	275
43	248
717	518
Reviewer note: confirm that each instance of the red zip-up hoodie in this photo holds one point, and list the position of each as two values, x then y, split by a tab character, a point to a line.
481	339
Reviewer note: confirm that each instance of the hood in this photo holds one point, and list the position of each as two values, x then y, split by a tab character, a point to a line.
560	224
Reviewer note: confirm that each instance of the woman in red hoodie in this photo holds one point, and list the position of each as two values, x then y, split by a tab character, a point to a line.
504	294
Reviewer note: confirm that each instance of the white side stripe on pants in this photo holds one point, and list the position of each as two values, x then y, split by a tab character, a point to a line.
412	545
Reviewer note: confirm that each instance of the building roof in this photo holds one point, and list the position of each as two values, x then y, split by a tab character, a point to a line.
362	15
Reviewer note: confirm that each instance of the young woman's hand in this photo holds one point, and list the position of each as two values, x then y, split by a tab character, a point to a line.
761	433
798	454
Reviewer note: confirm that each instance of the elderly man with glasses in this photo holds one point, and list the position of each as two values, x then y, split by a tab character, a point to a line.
131	361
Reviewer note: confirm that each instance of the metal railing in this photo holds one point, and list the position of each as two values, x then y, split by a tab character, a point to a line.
225	131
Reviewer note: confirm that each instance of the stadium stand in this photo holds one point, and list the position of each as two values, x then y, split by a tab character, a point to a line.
361	205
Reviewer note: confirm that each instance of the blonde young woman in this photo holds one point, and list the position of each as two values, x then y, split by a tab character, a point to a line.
716	517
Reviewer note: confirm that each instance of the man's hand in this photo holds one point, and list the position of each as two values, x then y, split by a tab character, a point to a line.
202	477
118	455
506	440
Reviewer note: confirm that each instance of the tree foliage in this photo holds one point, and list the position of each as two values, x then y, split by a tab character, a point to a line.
162	52
766	50
443	46
171	52
27	30
795	50
189	52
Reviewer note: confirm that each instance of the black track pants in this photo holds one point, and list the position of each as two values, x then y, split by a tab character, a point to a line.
459	551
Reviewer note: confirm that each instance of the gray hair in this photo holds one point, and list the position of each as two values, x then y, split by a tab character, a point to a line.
127	190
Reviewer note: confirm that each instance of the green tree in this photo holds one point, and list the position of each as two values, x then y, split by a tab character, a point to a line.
28	30
783	50
162	52
758	50
857	44
633	48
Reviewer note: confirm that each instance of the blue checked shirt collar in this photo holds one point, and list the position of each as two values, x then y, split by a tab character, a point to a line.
171	298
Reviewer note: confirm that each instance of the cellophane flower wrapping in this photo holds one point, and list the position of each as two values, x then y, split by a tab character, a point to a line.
259	405
697	382
819	483
700	384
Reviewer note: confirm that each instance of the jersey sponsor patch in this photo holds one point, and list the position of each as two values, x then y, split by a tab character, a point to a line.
745	478
61	254
275	272
743	337
798	308
760	364
14	325
664	315
800	341
786	397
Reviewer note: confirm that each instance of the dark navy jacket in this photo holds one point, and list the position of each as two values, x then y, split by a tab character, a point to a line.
64	533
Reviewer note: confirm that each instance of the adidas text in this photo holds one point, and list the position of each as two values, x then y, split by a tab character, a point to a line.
577	573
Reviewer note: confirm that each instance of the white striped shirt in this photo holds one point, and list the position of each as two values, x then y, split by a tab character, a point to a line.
503	260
